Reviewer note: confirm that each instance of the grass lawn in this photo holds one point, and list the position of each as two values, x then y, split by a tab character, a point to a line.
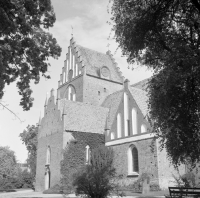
150	194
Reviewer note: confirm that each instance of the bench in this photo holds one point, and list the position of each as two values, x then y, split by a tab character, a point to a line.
180	192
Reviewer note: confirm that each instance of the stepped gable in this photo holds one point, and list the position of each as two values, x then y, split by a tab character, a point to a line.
141	99
78	116
141	84
94	61
112	102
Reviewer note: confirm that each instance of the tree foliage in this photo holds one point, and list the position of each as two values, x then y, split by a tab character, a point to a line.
25	46
7	162
95	180
165	36
29	138
8	167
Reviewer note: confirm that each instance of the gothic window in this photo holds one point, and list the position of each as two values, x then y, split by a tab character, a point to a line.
48	155
119	126
71	93
126	115
134	121
133	165
143	128
88	154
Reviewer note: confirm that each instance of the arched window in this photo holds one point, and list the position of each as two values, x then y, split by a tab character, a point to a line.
112	136
133	165
134	121
71	93
126	116
143	128
48	156
88	154
119	125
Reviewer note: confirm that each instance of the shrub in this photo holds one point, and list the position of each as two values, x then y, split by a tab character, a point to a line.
53	190
95	180
187	180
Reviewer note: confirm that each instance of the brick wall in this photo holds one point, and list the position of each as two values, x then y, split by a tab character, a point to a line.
94	89
147	161
77	82
166	170
140	119
56	146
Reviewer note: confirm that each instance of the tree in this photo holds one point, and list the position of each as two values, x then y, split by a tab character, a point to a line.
165	36
25	46
29	138
95	179
8	167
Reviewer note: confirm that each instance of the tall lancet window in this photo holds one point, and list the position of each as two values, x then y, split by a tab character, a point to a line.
133	164
119	126
88	154
134	121
71	93
126	115
48	156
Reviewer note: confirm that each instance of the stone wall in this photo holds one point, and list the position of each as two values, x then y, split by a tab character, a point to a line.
55	142
147	161
77	82
166	170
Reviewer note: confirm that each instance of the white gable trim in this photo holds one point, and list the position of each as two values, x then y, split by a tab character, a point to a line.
130	139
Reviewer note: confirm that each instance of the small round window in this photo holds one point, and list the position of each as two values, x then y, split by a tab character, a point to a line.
105	72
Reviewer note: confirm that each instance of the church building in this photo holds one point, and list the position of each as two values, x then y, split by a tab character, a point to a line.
94	106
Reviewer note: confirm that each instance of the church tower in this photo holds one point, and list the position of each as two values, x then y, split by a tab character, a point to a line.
88	76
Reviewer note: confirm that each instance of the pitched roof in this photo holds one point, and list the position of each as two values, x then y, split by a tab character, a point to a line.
141	99
94	61
141	84
112	102
83	117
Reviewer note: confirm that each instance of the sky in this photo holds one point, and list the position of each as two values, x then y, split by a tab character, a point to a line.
90	29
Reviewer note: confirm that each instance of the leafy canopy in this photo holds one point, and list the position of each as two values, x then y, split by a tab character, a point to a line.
165	36
29	138
7	163
25	46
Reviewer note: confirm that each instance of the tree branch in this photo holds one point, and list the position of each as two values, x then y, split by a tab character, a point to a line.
4	106
196	4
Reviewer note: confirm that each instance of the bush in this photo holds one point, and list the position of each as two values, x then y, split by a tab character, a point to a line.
6	183
186	180
138	184
95	180
53	190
